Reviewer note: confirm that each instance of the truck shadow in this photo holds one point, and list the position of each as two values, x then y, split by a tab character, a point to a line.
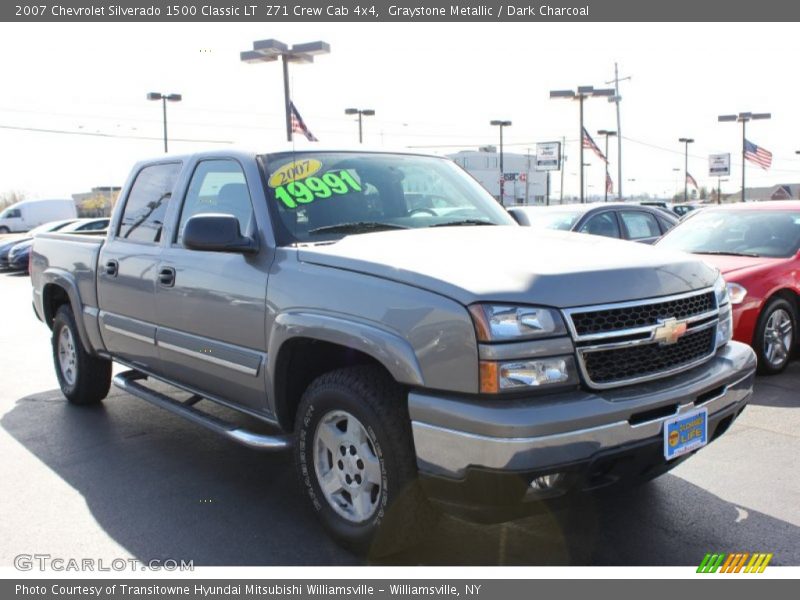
164	488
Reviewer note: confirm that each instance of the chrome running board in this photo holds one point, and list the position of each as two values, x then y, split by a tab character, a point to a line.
129	381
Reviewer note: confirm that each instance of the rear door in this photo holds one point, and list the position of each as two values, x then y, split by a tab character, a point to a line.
211	307
127	267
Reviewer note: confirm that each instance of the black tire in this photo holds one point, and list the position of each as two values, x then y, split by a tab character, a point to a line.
4	229
774	309
90	377
402	515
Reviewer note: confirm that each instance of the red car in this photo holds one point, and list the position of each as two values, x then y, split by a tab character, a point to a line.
755	246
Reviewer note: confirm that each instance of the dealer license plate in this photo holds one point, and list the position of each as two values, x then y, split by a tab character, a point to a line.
685	433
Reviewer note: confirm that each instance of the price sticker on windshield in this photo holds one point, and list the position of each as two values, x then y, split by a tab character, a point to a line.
311	188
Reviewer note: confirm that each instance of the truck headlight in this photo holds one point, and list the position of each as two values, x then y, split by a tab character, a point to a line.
503	323
520	374
736	293
721	291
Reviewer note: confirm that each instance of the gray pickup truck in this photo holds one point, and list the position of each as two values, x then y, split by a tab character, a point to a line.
395	329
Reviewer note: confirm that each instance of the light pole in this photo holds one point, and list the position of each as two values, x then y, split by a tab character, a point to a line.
271	50
743	118
686	142
608	134
366	112
583	92
164	98
501	124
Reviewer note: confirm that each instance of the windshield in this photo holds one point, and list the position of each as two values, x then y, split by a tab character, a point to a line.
325	196
774	234
548	219
47	227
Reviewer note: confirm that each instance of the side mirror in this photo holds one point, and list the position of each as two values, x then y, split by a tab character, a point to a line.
213	232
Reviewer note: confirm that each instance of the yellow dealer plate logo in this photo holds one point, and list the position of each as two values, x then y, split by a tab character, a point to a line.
294	171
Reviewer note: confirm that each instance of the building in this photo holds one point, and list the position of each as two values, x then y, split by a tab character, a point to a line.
98	202
523	184
781	191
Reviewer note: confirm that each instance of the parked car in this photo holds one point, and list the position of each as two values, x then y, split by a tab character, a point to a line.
19	254
755	246
610	219
409	361
6	246
25	215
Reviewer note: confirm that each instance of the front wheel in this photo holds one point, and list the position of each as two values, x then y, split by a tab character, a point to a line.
4	229
84	379
355	459
775	335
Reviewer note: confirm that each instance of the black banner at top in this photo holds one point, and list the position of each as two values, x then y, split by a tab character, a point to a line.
399	10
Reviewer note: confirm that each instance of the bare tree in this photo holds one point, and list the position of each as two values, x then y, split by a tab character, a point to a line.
11	197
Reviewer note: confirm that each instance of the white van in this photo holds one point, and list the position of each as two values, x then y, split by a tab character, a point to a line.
28	214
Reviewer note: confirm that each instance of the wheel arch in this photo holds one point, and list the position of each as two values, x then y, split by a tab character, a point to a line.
304	346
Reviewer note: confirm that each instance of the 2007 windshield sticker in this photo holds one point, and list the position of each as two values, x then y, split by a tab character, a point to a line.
316	188
298	169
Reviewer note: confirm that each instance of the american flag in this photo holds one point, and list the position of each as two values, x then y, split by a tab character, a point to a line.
691	180
299	126
758	155
609	184
589	144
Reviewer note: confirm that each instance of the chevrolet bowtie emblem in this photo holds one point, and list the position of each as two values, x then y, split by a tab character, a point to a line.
670	331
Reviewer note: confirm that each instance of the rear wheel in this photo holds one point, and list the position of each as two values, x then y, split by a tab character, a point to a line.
775	336
4	229
355	458
84	379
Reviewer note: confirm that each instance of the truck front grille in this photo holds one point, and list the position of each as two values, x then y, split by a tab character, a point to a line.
631	342
633	362
640	315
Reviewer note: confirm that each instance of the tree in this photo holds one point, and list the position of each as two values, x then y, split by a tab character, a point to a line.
11	197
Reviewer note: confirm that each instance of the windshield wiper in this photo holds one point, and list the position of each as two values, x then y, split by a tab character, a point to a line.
355	227
726	253
463	222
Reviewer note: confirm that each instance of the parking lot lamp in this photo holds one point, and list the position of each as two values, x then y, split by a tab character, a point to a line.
501	124
366	112
164	98
271	50
686	142
583	92
743	118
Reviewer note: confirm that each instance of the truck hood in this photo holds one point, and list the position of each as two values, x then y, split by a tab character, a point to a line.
516	264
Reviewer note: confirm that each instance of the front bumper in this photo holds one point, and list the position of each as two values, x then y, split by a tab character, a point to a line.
460	442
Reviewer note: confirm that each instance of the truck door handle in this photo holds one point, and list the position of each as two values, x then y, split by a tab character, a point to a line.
166	276
112	267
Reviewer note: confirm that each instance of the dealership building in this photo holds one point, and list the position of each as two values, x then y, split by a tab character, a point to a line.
523	184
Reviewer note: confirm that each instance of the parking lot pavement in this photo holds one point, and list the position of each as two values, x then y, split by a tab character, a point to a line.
128	480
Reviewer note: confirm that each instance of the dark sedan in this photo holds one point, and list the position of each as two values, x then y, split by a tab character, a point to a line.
18	255
6	247
613	219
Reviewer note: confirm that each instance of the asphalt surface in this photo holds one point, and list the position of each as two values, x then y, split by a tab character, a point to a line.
128	480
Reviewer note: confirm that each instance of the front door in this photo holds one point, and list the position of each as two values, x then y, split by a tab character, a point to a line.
211	306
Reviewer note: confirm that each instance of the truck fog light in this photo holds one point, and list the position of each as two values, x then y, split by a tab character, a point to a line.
533	373
547	482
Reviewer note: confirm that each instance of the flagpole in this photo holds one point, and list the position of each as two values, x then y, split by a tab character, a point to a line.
744	146
286	100
580	142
